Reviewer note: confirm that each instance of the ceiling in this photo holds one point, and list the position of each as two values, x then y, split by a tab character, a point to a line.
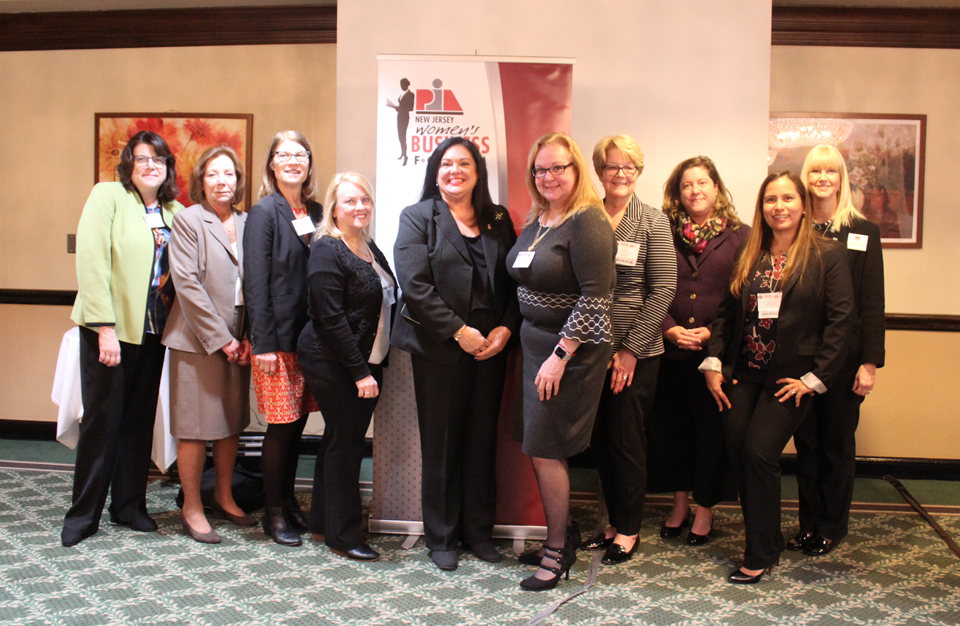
29	6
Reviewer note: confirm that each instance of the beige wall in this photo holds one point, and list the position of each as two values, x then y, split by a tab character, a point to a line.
47	106
913	412
888	80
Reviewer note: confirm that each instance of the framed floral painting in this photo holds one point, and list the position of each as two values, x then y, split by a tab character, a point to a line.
187	134
884	156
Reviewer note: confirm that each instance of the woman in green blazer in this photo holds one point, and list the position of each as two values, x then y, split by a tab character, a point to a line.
123	296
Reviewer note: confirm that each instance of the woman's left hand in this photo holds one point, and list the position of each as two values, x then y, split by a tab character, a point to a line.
624	363
548	378
496	341
792	388
866	375
232	350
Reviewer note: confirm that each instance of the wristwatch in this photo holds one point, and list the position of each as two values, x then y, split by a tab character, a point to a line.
561	353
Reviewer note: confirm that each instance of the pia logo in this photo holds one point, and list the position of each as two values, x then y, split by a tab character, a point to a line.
437	101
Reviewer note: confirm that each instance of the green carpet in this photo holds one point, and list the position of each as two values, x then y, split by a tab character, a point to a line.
891	570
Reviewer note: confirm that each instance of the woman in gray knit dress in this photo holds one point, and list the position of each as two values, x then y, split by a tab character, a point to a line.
563	263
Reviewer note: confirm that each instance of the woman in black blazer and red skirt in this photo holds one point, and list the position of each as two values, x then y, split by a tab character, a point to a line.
342	349
781	334
826	442
276	243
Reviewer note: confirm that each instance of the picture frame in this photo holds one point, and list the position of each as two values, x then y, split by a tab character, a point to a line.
884	154
187	134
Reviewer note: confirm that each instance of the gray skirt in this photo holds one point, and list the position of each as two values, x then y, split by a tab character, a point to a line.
209	396
562	426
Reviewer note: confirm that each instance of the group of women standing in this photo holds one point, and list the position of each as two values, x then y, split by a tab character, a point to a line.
596	290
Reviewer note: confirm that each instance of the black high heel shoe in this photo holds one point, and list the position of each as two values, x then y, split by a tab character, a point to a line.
740	577
573	542
601	541
564	559
670	532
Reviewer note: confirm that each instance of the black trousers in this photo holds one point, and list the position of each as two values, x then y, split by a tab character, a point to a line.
826	459
458	408
116	433
685	449
335	507
619	443
757	427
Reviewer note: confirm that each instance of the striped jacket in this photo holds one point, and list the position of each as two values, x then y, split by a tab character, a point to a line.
645	290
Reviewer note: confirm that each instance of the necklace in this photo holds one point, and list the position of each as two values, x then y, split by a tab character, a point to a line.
538	237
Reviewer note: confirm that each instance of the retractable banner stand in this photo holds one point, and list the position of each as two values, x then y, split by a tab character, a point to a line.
503	105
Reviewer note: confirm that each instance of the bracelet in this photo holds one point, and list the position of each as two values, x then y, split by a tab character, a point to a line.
459	333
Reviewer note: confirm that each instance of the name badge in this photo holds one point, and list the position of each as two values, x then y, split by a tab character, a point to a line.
154	220
768	305
627	253
304	226
857	242
524	259
390	295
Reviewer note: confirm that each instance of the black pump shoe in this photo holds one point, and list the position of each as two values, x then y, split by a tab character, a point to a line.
617	554
694	539
799	541
739	577
819	546
275	526
669	532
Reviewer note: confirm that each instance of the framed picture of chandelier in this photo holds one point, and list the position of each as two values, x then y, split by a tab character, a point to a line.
884	155
187	134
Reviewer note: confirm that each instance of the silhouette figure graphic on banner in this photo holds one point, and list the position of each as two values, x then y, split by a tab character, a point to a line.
403	107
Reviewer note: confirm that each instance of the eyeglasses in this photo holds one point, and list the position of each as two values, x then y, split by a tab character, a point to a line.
285	157
556	170
142	159
628	170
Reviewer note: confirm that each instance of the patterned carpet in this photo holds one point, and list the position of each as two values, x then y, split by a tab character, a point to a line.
892	570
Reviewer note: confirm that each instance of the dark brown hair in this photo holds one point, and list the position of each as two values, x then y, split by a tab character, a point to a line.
168	190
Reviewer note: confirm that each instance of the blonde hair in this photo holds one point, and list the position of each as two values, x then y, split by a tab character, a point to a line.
584	196
723	205
269	186
806	243
197	193
328	223
627	147
826	155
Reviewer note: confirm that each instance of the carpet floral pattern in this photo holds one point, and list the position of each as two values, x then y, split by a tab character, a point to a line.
892	570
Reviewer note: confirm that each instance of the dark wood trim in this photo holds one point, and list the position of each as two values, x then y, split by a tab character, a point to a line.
866	27
937	323
878	467
45	297
154	28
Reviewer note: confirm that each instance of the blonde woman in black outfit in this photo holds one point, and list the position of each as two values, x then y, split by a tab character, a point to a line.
342	351
826	442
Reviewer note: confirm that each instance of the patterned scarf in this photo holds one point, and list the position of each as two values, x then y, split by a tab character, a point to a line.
697	237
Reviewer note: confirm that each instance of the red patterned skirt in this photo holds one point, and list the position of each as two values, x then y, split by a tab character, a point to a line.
283	397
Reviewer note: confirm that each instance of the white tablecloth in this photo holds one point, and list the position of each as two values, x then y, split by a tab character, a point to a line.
66	395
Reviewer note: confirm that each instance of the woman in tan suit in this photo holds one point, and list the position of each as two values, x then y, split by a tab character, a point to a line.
209	351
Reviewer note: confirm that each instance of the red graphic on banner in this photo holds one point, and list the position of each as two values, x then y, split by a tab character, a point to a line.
437	101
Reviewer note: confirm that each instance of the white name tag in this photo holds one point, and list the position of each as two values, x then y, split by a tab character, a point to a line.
857	242
627	253
154	220
304	226
768	305
524	259
390	295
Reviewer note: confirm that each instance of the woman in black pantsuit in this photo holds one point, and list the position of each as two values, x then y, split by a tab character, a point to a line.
457	311
781	334
341	353
826	442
